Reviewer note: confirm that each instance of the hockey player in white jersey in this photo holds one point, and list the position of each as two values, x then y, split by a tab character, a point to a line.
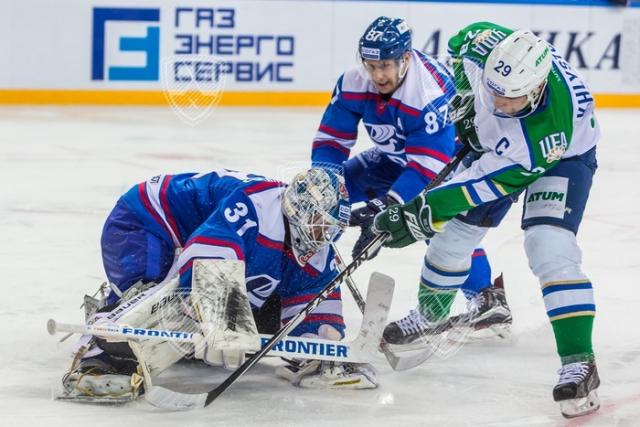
534	126
263	242
401	95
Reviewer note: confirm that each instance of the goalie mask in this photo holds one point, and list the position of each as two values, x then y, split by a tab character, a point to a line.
316	206
515	75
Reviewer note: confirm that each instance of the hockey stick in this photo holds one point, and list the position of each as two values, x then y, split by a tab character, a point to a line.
395	361
169	399
359	350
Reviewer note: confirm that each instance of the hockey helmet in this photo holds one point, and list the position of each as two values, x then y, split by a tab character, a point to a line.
518	66
385	38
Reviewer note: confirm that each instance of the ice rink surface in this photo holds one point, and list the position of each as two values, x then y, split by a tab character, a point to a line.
62	169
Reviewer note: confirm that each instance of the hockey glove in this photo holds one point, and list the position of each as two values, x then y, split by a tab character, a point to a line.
408	223
363	218
462	114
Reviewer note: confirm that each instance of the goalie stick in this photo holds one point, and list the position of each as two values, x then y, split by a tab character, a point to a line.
396	361
359	350
169	399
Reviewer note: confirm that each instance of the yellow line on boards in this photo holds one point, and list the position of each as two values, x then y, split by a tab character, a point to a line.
228	98
140	97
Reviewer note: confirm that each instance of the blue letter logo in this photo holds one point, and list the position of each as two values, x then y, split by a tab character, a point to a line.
150	44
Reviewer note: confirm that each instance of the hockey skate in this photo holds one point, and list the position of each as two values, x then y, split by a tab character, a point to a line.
488	315
576	389
102	379
413	332
321	374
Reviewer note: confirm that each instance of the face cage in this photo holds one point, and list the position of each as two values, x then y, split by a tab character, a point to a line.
309	238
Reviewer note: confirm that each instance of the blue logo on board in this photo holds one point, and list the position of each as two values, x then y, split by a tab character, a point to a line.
148	44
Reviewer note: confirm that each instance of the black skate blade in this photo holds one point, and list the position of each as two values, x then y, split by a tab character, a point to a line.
572	408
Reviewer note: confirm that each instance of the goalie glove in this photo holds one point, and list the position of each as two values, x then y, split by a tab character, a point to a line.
222	308
408	223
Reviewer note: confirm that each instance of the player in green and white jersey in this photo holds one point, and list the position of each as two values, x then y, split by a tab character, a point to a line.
533	126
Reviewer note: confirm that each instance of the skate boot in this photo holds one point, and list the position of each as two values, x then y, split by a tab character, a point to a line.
103	379
489	314
576	389
322	374
413	332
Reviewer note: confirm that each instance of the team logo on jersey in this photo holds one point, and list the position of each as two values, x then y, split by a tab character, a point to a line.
553	146
487	40
385	135
260	287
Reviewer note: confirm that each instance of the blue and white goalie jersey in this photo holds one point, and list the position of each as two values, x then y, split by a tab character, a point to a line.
230	215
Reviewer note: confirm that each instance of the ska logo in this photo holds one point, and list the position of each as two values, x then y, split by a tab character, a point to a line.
260	288
386	136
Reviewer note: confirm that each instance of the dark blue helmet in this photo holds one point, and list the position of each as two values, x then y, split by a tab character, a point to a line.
385	38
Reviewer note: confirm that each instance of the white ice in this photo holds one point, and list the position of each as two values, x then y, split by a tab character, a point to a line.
62	169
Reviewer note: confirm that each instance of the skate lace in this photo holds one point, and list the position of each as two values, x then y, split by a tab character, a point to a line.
573	373
413	322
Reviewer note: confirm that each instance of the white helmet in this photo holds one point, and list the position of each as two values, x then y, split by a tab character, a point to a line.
316	206
518	66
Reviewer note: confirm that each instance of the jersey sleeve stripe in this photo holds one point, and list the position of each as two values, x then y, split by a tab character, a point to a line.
268	243
422	170
496	188
321	136
475	197
428	152
436	75
430	163
325	307
164	202
322	318
484	192
211	241
336	133
300	299
404	108
467	196
262	186
330	143
148	205
358	96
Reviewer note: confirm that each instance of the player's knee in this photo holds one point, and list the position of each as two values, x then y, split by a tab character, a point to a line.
452	249
553	253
